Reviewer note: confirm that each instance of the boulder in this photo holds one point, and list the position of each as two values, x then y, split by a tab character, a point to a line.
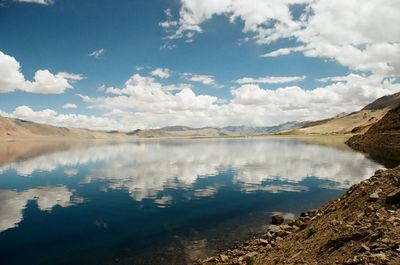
277	219
374	197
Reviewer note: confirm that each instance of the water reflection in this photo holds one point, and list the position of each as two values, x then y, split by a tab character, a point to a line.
13	203
145	169
171	200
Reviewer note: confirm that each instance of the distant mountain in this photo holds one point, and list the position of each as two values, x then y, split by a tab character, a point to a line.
176	128
150	133
247	130
12	129
356	122
241	130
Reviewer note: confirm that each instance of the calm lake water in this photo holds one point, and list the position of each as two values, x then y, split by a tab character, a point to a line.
158	202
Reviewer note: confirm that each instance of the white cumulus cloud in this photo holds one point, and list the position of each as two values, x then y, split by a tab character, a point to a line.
145	103
284	51
49	116
161	73
207	80
44	82
361	35
69	106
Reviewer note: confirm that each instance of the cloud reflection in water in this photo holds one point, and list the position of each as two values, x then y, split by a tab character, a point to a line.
145	169
13	203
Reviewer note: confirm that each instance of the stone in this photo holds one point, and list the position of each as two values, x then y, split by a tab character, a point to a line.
274	228
209	259
281	233
224	258
251	254
277	219
364	247
373	197
380	256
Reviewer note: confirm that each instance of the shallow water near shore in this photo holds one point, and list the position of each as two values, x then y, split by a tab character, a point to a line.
159	201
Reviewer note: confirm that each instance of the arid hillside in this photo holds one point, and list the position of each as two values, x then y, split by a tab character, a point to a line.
382	139
356	122
15	129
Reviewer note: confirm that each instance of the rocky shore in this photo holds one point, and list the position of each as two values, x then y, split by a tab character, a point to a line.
360	227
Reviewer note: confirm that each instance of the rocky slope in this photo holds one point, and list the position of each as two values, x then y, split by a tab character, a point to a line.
382	139
361	227
389	101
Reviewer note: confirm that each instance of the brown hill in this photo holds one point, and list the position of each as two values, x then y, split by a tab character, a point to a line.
16	129
356	122
382	139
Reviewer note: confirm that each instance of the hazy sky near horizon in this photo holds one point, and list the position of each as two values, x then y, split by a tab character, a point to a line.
132	64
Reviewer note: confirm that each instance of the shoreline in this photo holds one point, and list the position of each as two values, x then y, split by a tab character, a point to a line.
360	227
128	138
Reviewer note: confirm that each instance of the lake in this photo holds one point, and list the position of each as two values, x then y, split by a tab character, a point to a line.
159	201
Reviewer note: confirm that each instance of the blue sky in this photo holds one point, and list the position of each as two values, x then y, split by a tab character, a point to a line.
202	48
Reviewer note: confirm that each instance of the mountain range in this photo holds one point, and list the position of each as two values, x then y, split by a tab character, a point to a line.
353	123
185	131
